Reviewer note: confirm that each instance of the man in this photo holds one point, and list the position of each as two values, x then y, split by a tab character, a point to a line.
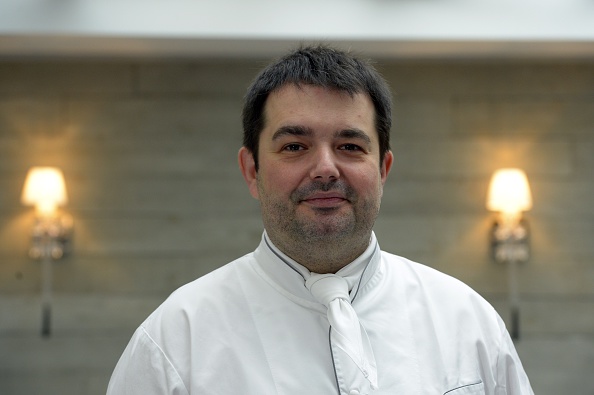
318	308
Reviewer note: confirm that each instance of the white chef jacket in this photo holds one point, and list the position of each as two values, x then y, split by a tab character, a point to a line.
252	327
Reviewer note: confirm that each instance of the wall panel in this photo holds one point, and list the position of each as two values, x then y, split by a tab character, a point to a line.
149	152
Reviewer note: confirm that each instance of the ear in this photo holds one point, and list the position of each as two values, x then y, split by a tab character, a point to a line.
247	165
386	166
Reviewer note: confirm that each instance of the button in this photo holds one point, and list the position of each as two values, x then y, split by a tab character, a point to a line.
354	392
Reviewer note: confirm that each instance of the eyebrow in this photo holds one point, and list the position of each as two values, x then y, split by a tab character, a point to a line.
304	131
354	134
291	131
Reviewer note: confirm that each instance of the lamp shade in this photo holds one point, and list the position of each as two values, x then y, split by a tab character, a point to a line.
45	189
509	192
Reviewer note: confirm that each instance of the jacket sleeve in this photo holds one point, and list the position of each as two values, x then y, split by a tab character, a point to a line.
511	377
143	369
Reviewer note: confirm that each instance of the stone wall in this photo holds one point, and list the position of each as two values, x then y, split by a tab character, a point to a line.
148	149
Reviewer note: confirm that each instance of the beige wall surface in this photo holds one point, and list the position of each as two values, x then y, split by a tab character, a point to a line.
148	149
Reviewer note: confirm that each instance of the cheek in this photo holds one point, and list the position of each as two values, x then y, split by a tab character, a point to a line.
283	177
274	185
367	178
369	186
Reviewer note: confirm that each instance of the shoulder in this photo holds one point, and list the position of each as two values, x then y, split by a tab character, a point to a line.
193	323
449	316
193	305
444	309
418	274
167	338
435	290
222	281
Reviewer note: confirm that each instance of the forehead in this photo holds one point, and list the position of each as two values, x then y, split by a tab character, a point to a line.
320	106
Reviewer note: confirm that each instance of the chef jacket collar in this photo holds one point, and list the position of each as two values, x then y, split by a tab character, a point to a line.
291	275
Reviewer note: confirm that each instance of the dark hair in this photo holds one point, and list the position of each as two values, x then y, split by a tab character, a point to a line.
319	66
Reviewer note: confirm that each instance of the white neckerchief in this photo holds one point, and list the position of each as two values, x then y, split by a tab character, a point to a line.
349	340
352	272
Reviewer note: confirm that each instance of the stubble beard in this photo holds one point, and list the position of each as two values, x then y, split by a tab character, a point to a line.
322	239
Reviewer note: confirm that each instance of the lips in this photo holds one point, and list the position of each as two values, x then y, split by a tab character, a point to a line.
324	199
324	194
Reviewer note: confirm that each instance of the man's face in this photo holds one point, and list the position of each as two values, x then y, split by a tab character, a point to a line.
319	177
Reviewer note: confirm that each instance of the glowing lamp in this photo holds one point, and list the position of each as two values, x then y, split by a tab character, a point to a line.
45	189
509	195
50	238
509	192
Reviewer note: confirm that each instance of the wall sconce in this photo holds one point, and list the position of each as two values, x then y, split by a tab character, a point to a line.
52	232
509	194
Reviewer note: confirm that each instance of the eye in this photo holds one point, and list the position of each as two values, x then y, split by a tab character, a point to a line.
293	147
350	147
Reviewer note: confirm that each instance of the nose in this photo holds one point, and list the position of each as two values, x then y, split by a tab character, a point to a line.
324	166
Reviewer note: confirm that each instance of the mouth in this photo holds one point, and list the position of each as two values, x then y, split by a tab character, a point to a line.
324	200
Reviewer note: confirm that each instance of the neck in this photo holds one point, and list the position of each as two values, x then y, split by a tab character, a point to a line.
322	257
